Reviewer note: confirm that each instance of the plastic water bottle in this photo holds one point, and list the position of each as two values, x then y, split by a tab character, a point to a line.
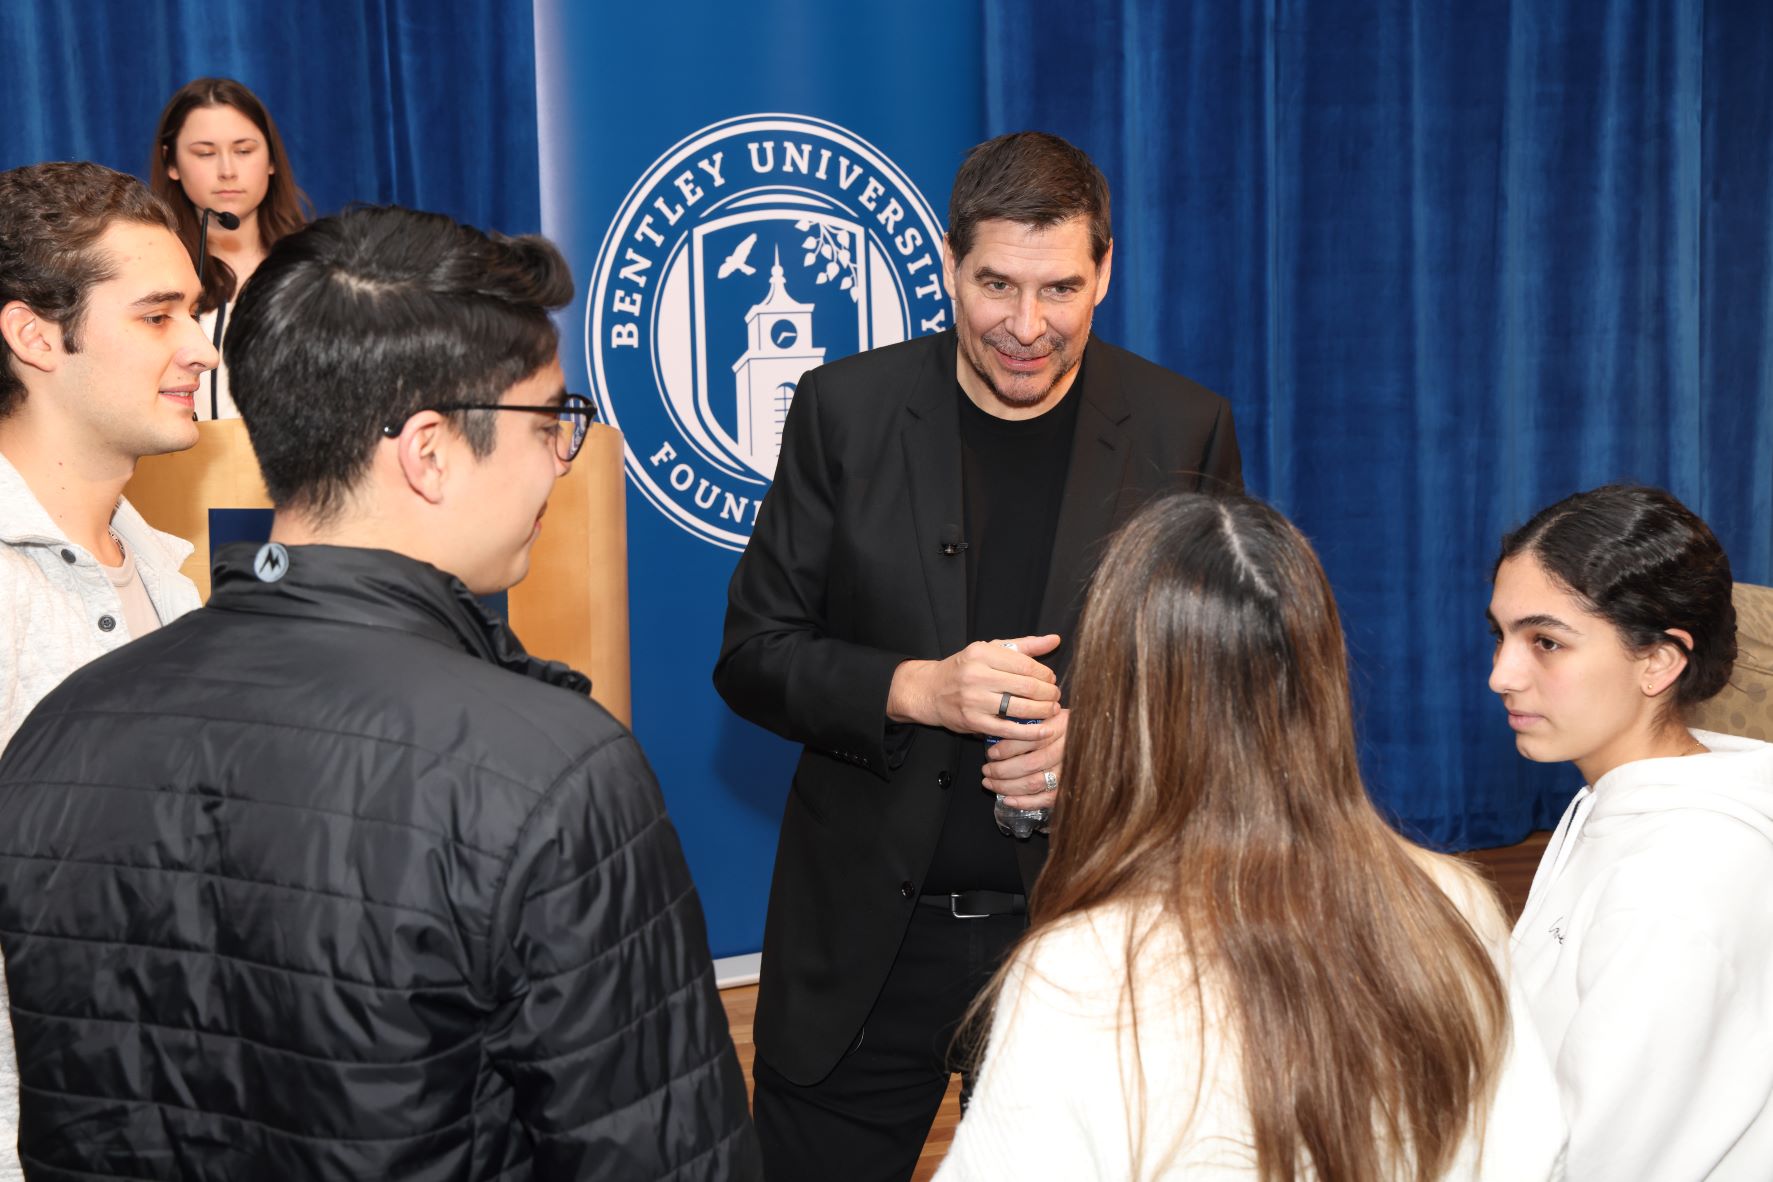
1018	823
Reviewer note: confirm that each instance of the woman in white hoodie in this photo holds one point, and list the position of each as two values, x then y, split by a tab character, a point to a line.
1646	946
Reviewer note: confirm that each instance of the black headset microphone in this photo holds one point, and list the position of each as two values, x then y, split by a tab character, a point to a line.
229	221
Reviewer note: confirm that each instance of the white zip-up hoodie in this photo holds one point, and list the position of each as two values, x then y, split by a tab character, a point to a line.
1646	955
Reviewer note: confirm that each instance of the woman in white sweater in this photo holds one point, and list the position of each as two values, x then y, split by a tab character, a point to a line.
1646	946
1235	969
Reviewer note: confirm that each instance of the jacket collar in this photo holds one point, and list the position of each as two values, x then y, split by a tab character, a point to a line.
25	522
932	455
1100	448
166	551
1103	400
932	464
378	589
23	519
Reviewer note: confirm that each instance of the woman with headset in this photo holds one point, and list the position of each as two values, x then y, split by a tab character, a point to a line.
217	149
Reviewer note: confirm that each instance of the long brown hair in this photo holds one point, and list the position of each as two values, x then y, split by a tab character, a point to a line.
285	209
1215	783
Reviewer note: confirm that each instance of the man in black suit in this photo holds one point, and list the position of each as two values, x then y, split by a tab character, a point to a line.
937	510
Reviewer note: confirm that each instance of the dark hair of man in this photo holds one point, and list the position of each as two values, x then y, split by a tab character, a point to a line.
51	218
285	208
1221	798
362	320
1032	178
1645	563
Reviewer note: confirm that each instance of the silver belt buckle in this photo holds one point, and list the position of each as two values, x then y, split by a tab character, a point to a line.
956	912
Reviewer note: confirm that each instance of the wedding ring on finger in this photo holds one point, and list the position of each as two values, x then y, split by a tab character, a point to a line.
1052	779
1003	706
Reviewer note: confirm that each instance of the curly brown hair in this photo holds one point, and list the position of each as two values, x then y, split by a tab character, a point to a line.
51	218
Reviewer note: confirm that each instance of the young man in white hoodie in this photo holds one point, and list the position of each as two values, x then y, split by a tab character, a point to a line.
1646	946
101	357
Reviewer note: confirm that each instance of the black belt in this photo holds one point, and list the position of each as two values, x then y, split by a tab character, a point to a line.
976	904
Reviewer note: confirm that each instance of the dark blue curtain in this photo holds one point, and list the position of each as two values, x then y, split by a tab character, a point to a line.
428	103
1450	262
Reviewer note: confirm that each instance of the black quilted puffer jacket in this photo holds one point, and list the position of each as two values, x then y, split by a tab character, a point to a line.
331	880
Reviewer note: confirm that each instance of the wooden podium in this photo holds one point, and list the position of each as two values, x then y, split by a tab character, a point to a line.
573	607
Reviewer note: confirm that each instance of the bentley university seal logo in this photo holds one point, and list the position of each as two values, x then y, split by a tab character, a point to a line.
756	249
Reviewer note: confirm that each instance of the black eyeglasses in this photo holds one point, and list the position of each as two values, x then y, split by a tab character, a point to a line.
575	413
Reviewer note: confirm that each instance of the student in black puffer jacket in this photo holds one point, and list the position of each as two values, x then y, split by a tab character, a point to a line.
330	879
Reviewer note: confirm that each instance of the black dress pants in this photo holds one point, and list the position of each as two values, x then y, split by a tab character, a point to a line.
867	1121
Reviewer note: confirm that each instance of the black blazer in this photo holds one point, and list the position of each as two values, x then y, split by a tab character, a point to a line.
843	580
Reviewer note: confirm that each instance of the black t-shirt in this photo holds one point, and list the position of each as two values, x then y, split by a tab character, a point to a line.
1013	482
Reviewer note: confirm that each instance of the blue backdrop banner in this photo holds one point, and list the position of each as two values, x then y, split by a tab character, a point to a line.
745	192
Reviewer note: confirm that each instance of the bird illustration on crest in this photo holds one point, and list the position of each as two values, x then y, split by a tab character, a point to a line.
736	260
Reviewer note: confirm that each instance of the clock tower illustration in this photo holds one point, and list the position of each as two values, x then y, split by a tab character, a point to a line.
780	350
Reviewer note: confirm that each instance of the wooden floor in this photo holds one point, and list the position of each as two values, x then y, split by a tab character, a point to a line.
1511	867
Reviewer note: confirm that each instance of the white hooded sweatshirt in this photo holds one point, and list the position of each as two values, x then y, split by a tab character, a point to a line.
1646	955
